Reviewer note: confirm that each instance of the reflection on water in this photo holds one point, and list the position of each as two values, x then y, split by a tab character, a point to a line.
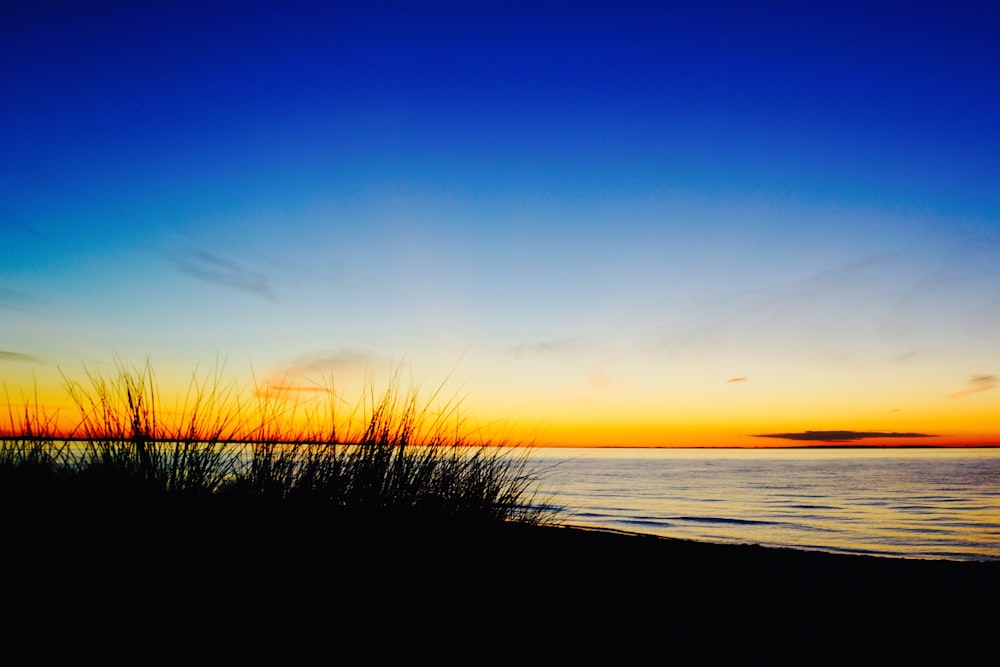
921	503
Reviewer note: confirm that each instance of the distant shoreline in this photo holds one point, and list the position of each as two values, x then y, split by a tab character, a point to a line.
771	447
841	447
26	438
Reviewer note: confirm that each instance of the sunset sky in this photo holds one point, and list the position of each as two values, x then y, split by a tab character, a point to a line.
619	223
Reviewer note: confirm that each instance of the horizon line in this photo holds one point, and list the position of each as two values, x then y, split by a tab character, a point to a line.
234	441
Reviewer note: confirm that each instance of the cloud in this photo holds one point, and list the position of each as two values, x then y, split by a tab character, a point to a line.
839	436
550	348
19	357
214	269
292	389
344	359
834	314
737	380
883	308
315	373
976	384
601	381
15	300
14	225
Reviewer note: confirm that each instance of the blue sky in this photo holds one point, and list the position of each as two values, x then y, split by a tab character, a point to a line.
638	221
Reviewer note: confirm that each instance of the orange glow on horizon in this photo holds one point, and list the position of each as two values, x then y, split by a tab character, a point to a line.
303	410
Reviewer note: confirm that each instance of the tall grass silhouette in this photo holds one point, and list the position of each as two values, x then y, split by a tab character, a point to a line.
390	453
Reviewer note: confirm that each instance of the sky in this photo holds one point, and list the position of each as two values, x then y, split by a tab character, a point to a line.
622	223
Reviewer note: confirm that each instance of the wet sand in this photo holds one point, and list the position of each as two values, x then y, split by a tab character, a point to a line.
289	585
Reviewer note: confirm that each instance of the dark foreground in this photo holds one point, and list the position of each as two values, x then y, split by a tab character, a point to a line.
223	584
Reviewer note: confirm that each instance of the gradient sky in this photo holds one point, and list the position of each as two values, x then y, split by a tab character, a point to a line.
599	223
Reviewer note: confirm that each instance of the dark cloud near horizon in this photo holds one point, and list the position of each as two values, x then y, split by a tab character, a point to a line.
840	436
977	384
20	357
217	270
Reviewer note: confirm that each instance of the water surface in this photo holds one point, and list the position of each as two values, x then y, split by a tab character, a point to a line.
917	503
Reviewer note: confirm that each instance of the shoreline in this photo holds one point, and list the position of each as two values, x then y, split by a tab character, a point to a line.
777	547
301	579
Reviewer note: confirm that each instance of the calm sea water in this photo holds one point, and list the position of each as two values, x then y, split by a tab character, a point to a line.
916	503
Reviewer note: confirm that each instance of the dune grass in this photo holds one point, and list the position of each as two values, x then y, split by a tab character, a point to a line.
390	454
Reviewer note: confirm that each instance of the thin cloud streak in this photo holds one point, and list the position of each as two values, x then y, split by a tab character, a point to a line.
978	384
19	357
214	269
817	314
546	349
316	373
346	359
17	227
885	308
15	300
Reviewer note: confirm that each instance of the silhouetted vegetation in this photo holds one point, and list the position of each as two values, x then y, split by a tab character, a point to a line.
390	455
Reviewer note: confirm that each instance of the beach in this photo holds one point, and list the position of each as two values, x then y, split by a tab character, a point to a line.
283	583
557	333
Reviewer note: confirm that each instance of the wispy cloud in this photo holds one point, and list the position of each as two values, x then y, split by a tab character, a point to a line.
212	268
15	226
19	357
314	373
839	436
342	360
600	380
817	315
546	349
977	384
886	308
738	380
15	300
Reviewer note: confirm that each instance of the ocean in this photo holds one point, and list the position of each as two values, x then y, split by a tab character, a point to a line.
911	503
